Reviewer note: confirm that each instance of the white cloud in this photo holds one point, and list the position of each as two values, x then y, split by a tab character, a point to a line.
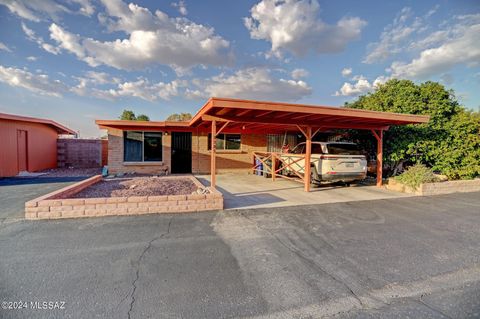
393	37
3	47
251	83
86	7
346	72
361	86
461	48
36	11
299	73
32	58
38	83
39	40
153	39
293	25
87	86
181	6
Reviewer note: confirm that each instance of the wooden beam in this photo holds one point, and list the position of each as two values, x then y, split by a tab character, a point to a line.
308	155
316	131
379	138
303	132
213	155
286	122
263	114
244	112
221	129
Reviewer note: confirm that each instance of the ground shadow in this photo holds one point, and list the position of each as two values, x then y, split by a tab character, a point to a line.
12	181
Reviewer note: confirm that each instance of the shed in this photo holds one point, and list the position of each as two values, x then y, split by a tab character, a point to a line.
28	144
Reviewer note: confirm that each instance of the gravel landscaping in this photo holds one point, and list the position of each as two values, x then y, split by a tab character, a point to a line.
71	172
138	186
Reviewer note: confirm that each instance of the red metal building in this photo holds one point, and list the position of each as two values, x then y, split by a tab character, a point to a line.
28	144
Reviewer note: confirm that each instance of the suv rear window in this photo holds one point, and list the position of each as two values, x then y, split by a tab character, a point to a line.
344	149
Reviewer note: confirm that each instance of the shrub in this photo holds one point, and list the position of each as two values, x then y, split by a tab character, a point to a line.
416	175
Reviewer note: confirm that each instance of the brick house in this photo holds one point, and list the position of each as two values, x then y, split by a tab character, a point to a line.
234	150
224	133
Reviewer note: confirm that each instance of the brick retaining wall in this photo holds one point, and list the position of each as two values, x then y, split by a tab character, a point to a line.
439	188
51	207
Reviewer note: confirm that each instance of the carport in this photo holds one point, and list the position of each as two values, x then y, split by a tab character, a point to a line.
221	115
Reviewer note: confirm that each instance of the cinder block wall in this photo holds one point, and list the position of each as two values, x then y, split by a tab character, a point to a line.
80	153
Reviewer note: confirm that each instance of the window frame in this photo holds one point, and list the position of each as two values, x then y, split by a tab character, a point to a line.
209	142
143	147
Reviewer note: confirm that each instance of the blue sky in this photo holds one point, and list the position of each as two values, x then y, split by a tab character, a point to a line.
75	61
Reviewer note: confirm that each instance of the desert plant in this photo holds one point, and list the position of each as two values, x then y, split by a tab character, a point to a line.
416	175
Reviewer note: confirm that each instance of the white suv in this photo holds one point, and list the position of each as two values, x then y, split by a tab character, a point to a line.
330	162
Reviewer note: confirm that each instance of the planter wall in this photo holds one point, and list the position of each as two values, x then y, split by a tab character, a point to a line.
439	188
50	206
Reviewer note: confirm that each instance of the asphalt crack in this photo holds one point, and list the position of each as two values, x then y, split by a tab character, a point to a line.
137	270
298	253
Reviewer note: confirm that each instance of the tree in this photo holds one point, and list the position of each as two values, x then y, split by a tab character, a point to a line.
130	116
142	117
449	143
179	117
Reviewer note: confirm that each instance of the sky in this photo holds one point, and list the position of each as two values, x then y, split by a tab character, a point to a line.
75	61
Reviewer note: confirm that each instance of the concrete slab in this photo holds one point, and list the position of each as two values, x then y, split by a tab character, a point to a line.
251	191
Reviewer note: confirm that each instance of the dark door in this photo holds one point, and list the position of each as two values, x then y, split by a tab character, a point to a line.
181	152
22	154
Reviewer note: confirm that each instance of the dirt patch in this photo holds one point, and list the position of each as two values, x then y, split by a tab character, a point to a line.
71	172
139	186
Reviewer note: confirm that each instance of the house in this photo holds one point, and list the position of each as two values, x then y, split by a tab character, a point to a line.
224	134
28	144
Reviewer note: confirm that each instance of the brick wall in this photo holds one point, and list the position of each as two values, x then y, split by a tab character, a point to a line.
79	152
115	156
450	187
227	161
55	205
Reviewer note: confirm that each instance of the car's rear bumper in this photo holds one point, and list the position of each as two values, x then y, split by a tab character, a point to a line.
343	176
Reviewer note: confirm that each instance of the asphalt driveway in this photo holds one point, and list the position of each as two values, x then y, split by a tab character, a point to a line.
413	257
14	192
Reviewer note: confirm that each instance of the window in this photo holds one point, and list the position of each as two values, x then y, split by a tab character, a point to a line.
142	146
226	141
344	149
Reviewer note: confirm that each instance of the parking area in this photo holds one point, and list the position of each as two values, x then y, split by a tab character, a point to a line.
251	191
14	192
412	257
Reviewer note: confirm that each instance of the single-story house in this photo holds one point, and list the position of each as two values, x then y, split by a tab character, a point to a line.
224	133
28	144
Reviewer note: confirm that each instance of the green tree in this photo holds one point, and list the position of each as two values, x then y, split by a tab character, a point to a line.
179	117
142	117
128	115
449	143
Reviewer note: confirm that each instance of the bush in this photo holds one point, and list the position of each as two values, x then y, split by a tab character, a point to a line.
416	175
449	143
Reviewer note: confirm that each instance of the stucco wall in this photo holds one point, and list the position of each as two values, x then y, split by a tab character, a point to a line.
41	147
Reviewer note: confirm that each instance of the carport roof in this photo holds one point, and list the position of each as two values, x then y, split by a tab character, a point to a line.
263	115
58	127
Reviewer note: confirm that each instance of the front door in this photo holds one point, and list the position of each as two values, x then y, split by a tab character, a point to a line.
181	152
22	154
